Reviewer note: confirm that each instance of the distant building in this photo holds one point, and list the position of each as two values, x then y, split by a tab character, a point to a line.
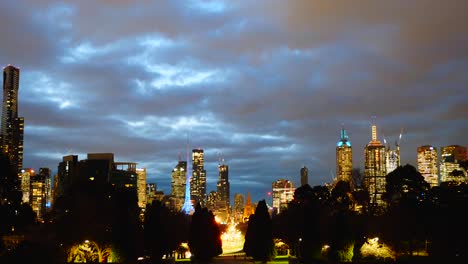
12	127
141	187
223	188
38	192
344	158
151	192
25	178
283	193
249	209
450	169
304	176
198	180
178	184
238	210
428	164
375	169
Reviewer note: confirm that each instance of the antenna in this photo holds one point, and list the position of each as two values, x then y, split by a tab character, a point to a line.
399	138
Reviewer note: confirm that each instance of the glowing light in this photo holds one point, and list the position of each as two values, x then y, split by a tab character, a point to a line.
373	248
232	240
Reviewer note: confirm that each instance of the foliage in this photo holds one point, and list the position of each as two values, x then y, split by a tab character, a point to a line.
204	237
259	242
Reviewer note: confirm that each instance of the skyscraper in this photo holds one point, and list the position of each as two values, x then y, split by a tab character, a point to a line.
141	187
223	188
12	128
427	164
38	192
25	177
375	169
344	158
178	184
304	176
198	180
283	193
450	169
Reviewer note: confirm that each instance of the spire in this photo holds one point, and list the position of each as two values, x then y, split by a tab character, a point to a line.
374	129
188	207
344	139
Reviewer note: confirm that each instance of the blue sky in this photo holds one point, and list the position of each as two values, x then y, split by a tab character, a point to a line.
265	84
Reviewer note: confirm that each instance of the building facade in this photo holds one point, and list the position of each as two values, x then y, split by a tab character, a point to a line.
38	192
198	180
12	126
223	187
450	169
25	178
428	164
141	187
344	158
375	169
178	185
282	193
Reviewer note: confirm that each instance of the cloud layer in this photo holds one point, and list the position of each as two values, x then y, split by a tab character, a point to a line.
265	84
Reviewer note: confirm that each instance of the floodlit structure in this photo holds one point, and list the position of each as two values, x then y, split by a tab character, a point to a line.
375	169
25	179
198	179
344	158
187	208
141	187
427	164
178	185
38	192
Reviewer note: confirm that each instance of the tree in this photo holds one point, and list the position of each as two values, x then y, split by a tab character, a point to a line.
259	242
204	236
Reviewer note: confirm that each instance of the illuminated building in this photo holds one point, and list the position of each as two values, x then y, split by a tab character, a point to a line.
178	184
12	127
344	158
427	164
392	156
188	208
223	188
450	169
38	192
212	201
375	169
141	187
283	193
198	180
25	178
304	175
238	207
150	192
249	209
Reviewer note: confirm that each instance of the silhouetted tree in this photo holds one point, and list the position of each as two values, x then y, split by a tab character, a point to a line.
259	242
204	236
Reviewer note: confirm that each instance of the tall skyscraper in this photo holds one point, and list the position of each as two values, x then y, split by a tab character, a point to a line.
375	169
344	158
12	128
304	176
141	187
428	163
178	185
38	192
450	169
283	193
223	188
198	180
25	178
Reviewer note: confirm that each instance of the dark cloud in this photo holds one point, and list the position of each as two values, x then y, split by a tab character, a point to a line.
265	84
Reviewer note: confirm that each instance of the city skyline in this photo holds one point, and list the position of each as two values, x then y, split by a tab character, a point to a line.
267	84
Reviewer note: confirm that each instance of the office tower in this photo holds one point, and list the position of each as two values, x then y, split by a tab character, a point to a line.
68	172
238	207
392	156
12	128
427	164
198	180
38	192
375	169
25	179
223	188
344	158
450	169
141	187
283	193
150	192
178	184
304	176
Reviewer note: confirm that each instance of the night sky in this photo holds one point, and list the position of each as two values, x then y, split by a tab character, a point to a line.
266	85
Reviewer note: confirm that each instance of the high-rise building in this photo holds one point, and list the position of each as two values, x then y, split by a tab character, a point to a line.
178	184
238	207
38	192
25	178
450	169
375	169
150	192
12	128
198	180
141	187
304	176
344	158
223	188
427	164
283	193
